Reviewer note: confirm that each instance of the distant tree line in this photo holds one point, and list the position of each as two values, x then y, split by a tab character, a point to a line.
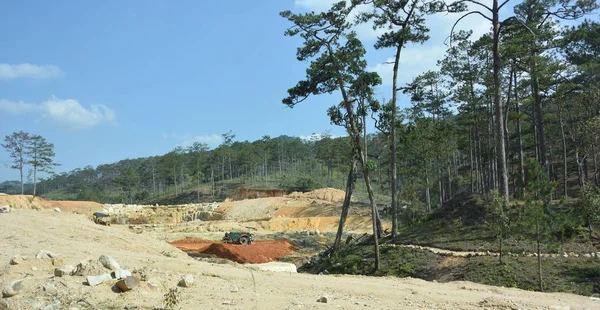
283	162
32	150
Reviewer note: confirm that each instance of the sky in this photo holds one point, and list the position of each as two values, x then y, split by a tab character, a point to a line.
110	80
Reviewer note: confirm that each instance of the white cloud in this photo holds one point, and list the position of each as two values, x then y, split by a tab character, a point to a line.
318	136
187	139
413	61
211	140
26	70
65	113
315	5
17	107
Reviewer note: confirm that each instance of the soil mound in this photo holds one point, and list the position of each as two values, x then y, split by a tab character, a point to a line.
29	202
327	194
261	251
470	209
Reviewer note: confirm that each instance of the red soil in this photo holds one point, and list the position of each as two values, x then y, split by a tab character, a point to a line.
261	251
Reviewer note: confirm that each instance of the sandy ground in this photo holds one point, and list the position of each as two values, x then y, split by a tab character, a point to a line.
217	286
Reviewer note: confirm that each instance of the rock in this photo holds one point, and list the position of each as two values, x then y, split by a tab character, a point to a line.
235	289
58	261
57	210
227	302
34	268
45	254
49	288
14	288
17	259
64	271
186	281
95	280
128	283
121	274
5	209
565	254
273	266
323	299
317	232
109	262
587	255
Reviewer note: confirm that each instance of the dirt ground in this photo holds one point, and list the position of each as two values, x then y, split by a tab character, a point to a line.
260	251
31	202
160	266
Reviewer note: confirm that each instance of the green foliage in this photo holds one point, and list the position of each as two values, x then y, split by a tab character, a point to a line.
589	205
172	298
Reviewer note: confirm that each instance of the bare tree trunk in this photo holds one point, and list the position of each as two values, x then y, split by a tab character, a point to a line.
564	146
501	154
471	160
539	114
350	183
539	256
153	183
393	140
519	136
427	193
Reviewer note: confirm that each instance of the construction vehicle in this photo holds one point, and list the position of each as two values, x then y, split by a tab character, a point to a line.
244	238
102	218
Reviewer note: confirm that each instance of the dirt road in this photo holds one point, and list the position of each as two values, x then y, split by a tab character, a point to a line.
217	286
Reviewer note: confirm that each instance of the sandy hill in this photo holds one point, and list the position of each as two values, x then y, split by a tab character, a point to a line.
227	286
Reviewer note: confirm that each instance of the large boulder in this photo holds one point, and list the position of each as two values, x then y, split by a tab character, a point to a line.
186	281
14	288
43	254
5	209
96	280
109	262
128	283
273	266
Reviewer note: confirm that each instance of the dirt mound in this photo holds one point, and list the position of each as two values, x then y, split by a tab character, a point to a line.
470	209
29	202
261	251
250	193
327	194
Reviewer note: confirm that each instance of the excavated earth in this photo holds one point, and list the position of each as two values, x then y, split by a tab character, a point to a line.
33	225
260	251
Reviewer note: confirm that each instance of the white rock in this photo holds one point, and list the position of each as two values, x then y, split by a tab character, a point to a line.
13	288
57	210
95	280
17	259
273	266
64	271
128	283
186	281
235	289
45	254
49	287
5	209
121	274
109	262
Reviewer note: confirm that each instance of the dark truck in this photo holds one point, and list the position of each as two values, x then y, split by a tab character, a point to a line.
244	238
101	218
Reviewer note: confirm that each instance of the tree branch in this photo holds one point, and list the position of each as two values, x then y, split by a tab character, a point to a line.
472	12
475	2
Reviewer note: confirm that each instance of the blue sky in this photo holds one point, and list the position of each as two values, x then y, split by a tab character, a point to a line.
109	80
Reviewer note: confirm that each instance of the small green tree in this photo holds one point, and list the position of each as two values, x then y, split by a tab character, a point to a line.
40	155
589	205
15	144
127	180
537	194
496	217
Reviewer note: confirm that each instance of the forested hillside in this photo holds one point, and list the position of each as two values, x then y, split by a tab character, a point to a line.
530	90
